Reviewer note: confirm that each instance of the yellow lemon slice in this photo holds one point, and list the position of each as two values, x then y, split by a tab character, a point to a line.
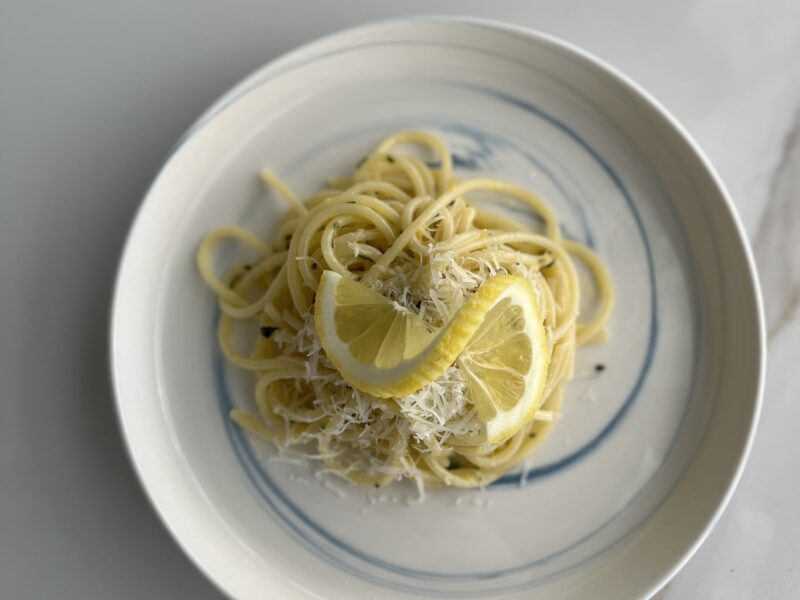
386	350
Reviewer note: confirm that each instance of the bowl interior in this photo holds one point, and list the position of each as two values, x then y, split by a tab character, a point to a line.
644	453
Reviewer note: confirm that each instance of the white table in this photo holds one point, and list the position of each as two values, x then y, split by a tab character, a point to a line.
93	95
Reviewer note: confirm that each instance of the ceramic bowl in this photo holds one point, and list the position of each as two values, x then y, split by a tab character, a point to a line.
646	453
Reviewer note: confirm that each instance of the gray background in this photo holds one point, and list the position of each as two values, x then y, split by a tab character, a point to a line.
92	96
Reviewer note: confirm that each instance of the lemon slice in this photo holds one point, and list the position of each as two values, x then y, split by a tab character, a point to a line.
505	364
386	350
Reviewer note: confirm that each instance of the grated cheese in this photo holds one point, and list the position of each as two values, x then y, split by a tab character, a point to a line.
435	290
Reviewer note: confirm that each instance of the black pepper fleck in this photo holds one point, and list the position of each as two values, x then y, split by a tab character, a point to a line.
268	331
599	367
390	158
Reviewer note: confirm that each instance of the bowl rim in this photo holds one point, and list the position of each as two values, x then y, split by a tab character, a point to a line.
252	80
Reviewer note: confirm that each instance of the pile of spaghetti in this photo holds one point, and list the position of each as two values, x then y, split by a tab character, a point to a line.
404	226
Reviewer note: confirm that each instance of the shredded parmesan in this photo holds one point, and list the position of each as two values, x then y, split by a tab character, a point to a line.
432	415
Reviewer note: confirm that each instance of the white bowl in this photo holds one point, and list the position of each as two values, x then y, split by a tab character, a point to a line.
646	454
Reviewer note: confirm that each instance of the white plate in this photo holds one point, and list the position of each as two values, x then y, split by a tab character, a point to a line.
646	454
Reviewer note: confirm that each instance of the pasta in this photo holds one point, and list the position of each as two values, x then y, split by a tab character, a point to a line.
408	229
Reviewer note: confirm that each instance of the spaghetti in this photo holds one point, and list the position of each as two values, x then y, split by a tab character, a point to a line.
406	228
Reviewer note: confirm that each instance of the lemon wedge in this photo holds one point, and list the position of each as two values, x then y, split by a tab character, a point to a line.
386	350
505	364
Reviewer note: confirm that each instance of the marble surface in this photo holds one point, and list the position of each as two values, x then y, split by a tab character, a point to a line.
93	95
